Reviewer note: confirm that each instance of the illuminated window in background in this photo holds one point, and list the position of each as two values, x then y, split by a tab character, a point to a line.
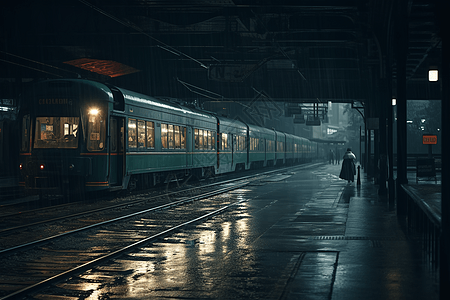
200	139
176	131
208	136
205	140
164	136
224	141
132	137
60	132
197	142
331	130
170	137
183	137
141	133
150	134
242	140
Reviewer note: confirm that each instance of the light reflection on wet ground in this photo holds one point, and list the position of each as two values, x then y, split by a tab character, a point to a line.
216	259
276	244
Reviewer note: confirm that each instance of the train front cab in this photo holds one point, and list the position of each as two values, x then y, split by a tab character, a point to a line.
64	138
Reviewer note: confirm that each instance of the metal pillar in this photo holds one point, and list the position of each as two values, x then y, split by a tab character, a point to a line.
444	265
382	190
401	53
390	150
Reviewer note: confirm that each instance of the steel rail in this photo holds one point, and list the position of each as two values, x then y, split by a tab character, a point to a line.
113	254
168	205
124	204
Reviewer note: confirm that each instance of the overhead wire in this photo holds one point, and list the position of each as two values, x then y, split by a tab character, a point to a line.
129	24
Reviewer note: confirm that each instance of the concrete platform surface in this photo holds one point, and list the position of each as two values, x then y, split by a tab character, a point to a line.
305	234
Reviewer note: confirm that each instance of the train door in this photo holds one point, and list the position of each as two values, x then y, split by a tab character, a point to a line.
116	158
233	148
189	147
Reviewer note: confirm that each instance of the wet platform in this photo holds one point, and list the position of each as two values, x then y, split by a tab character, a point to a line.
301	235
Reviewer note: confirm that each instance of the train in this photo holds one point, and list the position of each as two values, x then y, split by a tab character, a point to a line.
79	136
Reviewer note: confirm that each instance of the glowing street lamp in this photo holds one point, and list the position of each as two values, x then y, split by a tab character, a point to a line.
433	75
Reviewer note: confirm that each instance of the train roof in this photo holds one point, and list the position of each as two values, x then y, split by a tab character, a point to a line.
83	89
144	101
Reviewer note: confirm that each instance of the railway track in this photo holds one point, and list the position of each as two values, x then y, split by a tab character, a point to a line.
56	257
32	265
17	228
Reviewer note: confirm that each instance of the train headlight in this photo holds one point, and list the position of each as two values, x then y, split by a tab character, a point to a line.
42	166
20	166
93	111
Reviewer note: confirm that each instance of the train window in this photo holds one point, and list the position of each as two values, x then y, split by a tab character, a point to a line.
141	134
241	142
96	131
183	137
208	138
200	139
224	141
197	141
176	131
270	146
256	144
25	134
280	147
132	141
164	136
170	137
213	140
56	132
150	134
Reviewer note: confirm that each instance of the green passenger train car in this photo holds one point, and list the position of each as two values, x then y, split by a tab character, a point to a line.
82	136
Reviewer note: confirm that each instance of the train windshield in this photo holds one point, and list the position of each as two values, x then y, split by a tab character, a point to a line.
56	132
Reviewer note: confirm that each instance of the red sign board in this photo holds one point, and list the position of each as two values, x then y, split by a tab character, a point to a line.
429	139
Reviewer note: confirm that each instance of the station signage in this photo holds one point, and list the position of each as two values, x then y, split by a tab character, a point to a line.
429	139
54	101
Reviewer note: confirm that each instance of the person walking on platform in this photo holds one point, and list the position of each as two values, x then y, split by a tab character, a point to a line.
348	169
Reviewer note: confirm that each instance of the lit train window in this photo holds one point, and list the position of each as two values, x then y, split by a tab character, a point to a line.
196	138
150	134
170	137
224	141
183	137
213	140
164	136
200	139
58	132
96	130
270	146
207	136
176	131
141	134
132	136
241	143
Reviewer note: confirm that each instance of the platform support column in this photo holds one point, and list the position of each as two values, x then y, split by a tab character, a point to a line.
382	155
444	76
401	54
